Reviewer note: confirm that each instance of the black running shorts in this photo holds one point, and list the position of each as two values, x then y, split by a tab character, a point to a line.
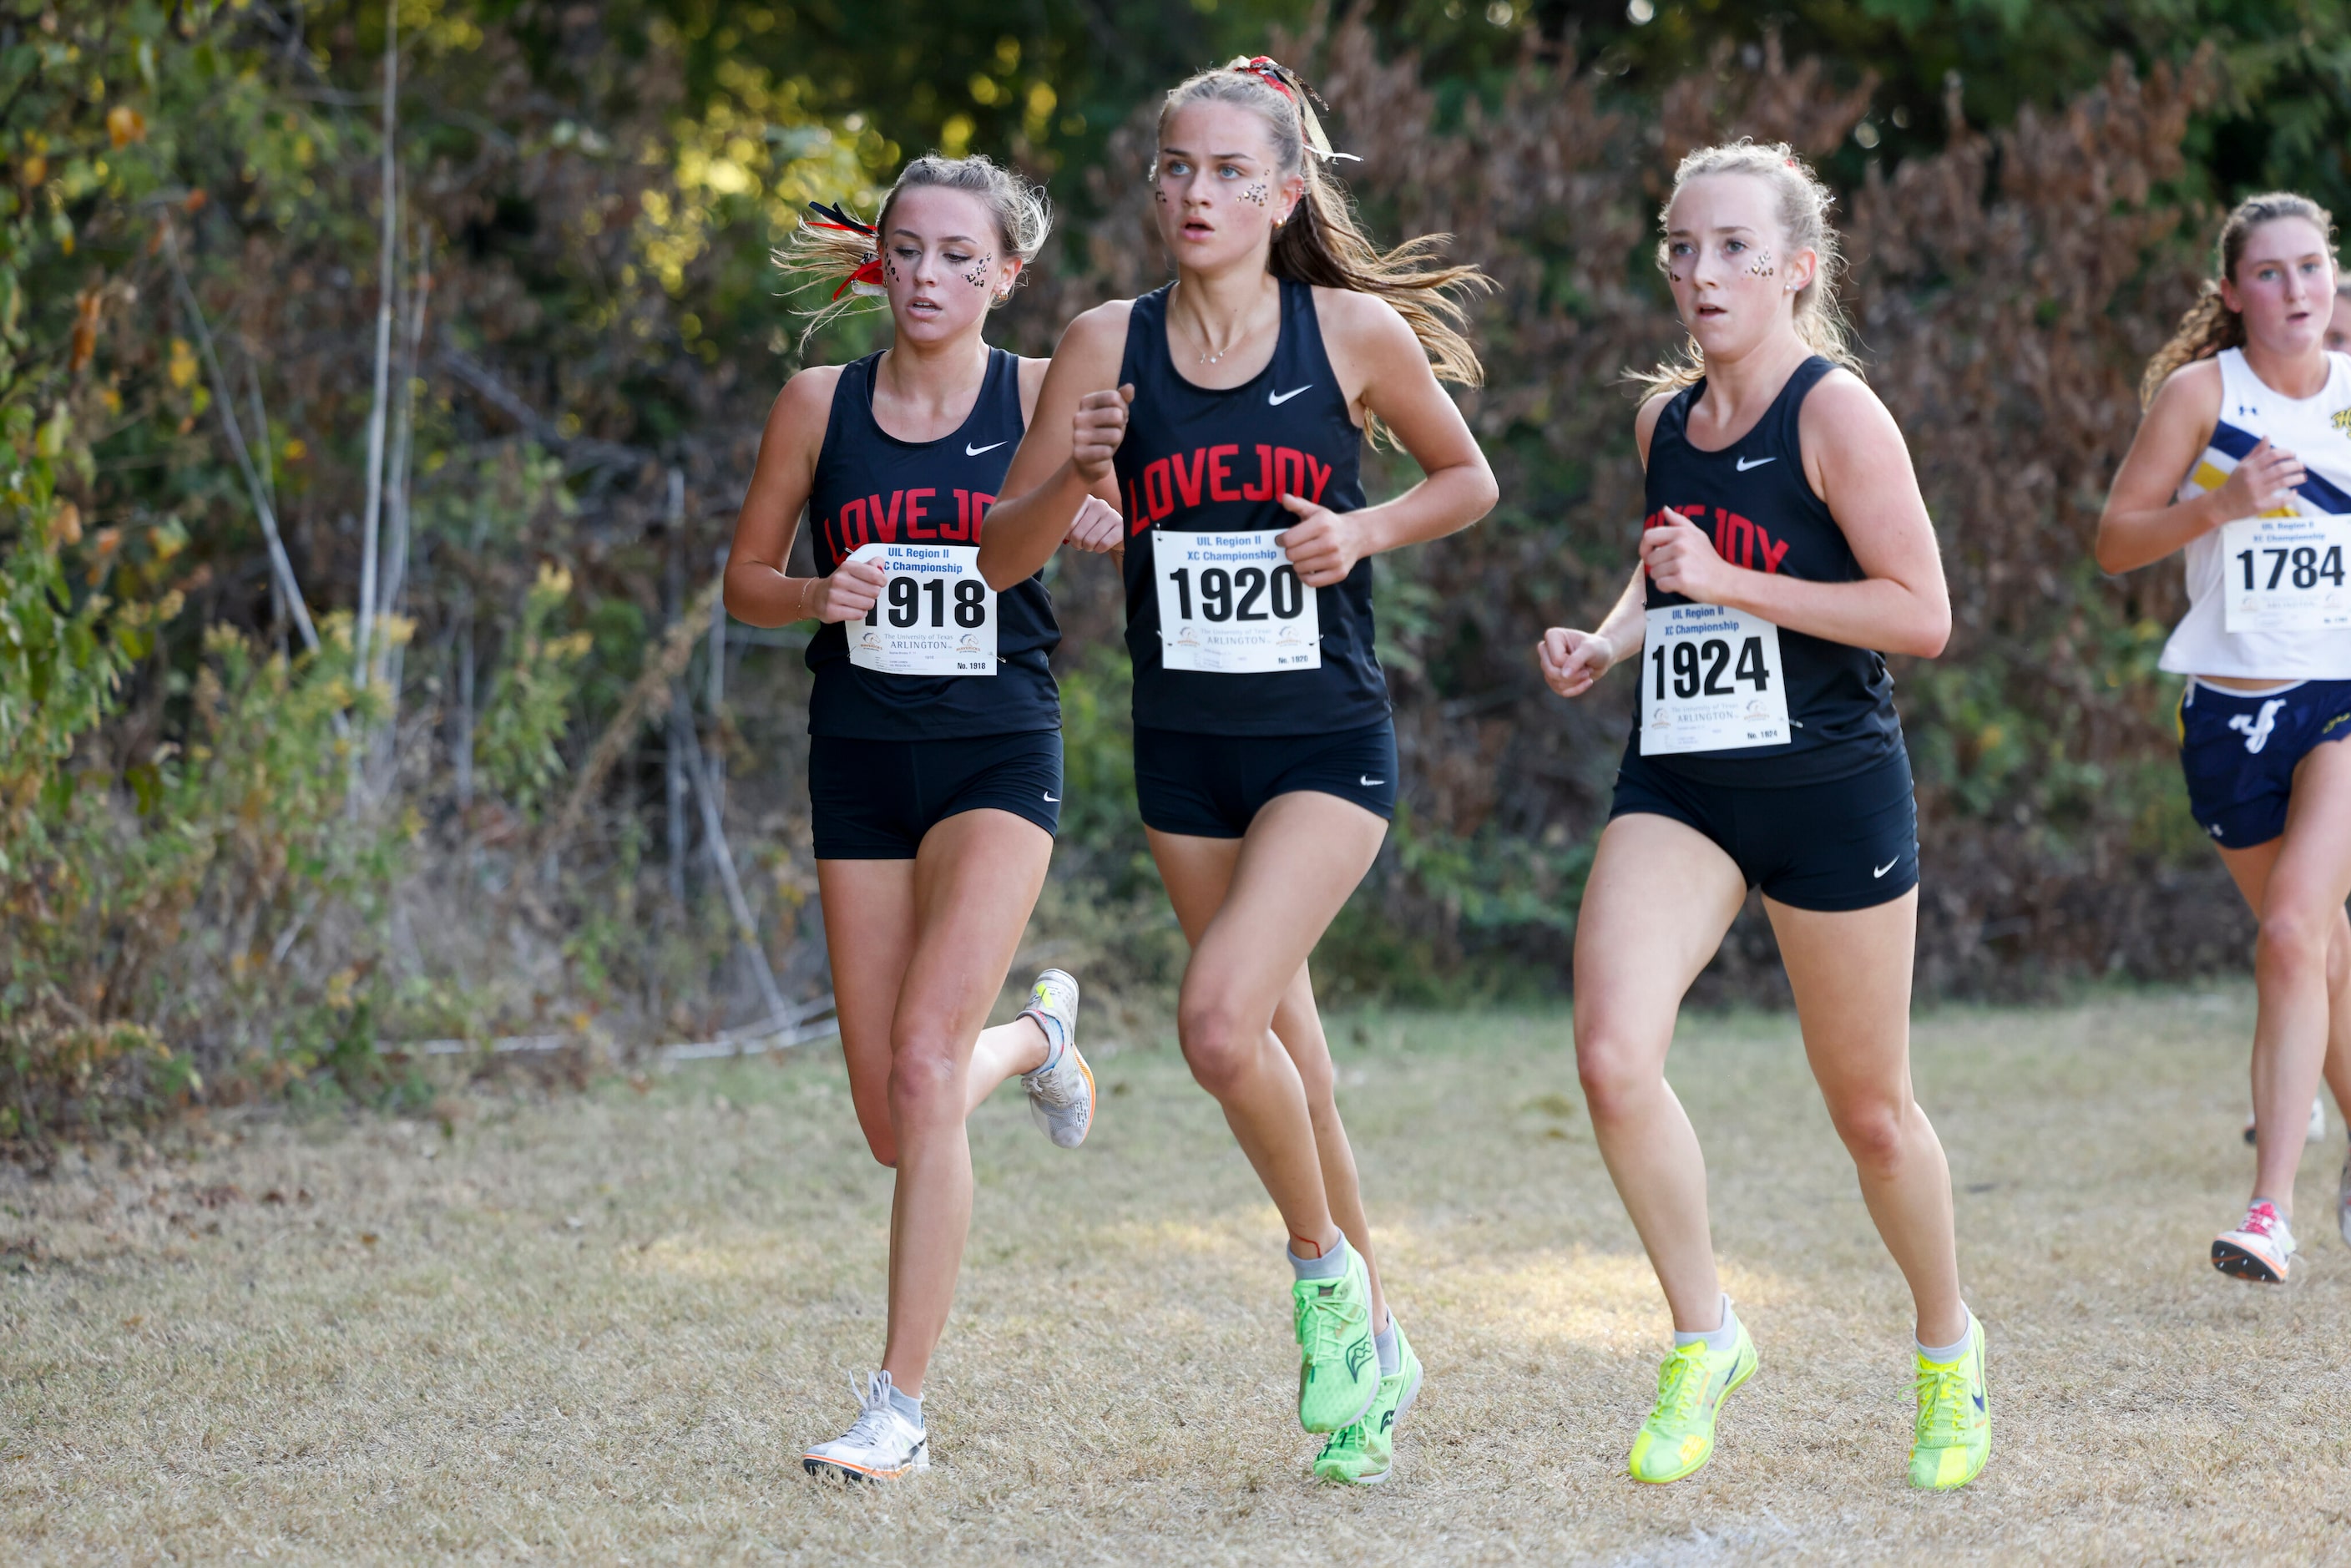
874	800
1841	843
1213	785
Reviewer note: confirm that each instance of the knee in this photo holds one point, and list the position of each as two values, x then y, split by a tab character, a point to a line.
1614	1076
1873	1132
925	1082
1219	1047
2297	941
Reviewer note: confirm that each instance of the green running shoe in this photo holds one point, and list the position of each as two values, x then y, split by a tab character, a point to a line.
1364	1453
1678	1435
1338	1370
1954	1435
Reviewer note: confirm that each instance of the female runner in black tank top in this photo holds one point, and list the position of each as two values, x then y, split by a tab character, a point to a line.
1785	545
1264	757
935	793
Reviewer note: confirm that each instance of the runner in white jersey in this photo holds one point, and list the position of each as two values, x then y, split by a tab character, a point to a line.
2243	462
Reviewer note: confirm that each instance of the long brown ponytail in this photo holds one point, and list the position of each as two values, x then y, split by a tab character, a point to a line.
2209	326
1323	242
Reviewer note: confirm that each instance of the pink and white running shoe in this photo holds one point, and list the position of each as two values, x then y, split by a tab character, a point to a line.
2260	1249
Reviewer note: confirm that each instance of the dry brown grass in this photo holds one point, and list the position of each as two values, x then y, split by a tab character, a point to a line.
602	1327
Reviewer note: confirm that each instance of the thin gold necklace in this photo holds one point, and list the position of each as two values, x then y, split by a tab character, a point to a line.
1201	326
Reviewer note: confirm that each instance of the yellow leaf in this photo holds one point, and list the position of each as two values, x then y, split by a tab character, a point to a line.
125	125
182	366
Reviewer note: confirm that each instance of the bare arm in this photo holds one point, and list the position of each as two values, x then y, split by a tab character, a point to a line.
2142	522
758	592
1383	371
1859	464
1572	660
1066	456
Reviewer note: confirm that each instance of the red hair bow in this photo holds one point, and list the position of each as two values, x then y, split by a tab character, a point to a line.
1269	69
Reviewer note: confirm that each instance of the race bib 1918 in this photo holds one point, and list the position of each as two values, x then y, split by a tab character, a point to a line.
1710	680
936	615
2285	574
1232	604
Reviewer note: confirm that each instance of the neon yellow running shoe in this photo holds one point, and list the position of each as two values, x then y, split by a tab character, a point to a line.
1954	1433
1678	1435
1338	1370
1364	1454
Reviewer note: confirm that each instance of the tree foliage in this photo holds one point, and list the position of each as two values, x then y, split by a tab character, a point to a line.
228	858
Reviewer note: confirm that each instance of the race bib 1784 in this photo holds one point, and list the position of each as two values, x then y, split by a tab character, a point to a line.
936	615
2285	574
1232	604
1710	680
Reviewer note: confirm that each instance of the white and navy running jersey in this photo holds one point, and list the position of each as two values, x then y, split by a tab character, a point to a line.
1753	499
1197	460
2317	430
871	488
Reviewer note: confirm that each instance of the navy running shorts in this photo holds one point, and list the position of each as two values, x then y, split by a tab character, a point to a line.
1213	785
874	800
2239	750
1838	844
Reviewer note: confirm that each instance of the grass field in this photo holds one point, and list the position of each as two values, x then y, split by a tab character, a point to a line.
601	1328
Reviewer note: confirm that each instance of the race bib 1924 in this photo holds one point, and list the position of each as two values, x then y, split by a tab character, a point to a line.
936	615
1232	604
1710	680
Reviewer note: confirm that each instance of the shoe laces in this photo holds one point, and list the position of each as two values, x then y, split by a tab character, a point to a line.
877	1416
1944	1397
1681	1381
2261	1220
1325	1317
1346	1439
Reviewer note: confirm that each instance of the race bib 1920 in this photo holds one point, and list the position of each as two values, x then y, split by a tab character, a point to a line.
1232	604
2285	574
1710	680
936	615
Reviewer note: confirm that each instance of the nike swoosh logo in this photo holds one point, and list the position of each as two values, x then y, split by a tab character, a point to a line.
1055	798
1278	399
1744	464
1367	781
1881	870
971	451
1978	1399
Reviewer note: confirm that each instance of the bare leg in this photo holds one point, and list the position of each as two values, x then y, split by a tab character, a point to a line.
1198	873
1850	971
870	929
974	882
2250	869
2301	909
1635	955
1300	859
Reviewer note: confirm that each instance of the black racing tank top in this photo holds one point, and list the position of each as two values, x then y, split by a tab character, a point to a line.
1753	497
1198	460
872	487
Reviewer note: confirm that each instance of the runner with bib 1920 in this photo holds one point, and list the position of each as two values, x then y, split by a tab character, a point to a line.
1265	755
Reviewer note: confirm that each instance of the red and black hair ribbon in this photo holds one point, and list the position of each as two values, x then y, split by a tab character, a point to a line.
867	278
